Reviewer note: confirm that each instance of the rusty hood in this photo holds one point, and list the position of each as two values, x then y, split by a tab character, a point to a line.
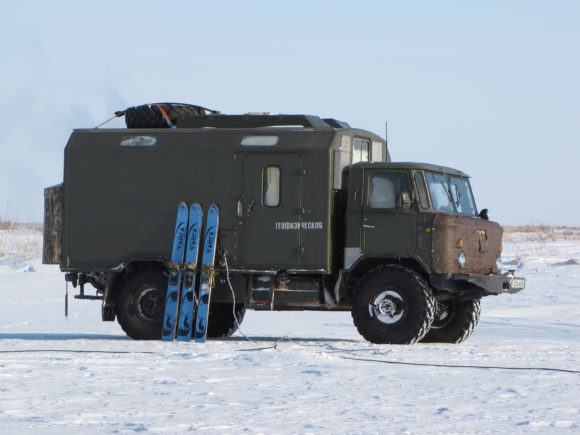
478	238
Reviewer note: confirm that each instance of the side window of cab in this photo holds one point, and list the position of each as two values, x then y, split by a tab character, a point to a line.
422	190
385	190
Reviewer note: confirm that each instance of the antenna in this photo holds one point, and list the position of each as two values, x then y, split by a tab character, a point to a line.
387	137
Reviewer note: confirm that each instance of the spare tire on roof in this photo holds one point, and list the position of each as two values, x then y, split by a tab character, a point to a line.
160	115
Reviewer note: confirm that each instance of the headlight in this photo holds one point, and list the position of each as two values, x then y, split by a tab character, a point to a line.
499	263
461	259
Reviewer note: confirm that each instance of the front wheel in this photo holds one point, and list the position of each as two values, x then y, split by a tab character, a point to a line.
393	305
454	321
141	304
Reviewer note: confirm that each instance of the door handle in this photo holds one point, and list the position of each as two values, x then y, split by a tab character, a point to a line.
370	227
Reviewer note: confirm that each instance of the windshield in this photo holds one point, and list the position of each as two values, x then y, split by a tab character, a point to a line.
452	194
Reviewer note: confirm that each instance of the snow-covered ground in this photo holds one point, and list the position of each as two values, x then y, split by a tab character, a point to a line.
302	372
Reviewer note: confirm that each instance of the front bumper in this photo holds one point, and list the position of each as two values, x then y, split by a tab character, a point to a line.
472	286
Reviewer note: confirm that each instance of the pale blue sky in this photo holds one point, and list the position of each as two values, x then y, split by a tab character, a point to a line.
489	87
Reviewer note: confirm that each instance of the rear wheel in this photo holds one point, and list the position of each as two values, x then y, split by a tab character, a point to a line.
141	304
454	321
394	305
221	322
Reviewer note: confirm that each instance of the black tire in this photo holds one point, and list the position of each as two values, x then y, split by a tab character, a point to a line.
141	304
221	322
454	321
150	116
393	305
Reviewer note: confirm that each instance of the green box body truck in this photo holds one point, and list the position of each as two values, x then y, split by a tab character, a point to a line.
313	216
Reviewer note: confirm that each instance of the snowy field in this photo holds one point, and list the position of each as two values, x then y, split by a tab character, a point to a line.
302	372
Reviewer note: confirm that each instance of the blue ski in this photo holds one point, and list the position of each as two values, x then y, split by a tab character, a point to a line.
175	271
207	272
186	306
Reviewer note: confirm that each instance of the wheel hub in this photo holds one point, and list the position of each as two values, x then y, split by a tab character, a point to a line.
150	304
443	314
388	307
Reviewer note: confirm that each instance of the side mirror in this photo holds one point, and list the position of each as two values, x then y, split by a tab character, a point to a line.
483	214
404	201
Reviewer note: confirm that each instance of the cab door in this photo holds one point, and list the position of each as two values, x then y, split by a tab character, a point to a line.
270	230
387	228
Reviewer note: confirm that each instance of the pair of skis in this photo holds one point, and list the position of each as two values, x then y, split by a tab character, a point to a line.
181	289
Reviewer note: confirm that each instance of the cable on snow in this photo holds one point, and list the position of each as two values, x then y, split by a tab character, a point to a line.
274	346
74	351
457	366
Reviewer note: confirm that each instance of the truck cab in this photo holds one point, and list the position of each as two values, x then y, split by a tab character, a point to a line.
421	220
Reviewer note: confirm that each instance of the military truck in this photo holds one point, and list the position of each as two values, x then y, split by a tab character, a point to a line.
314	216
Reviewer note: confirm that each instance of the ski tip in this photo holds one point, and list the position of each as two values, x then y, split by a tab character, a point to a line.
213	208
195	206
182	205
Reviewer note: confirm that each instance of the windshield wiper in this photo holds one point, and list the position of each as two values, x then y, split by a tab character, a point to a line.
448	190
458	201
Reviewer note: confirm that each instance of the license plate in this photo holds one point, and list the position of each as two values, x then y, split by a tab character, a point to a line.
518	283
